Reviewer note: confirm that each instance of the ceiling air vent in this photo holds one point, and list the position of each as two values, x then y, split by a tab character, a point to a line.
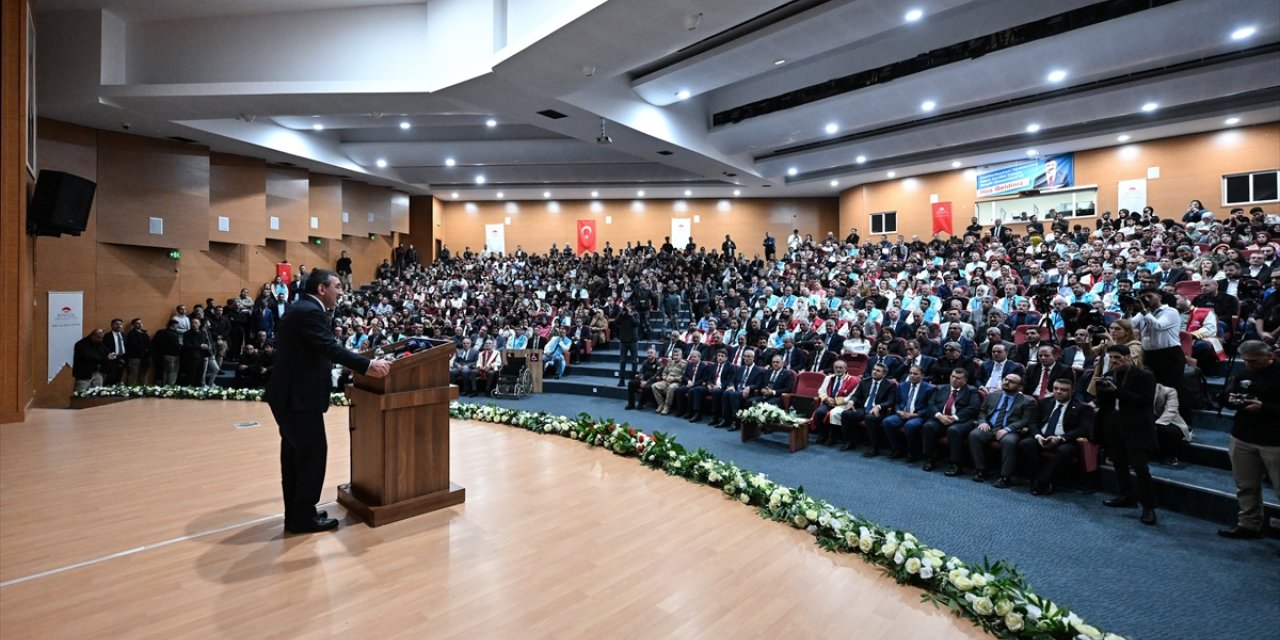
182	139
664	152
552	113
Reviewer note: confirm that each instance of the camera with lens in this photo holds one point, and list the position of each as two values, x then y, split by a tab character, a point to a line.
1129	303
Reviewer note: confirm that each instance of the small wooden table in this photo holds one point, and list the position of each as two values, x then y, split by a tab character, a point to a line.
797	433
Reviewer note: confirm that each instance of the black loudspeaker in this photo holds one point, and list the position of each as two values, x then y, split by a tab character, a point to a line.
61	204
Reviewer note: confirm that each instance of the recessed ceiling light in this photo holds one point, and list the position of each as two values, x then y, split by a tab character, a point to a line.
500	195
381	163
913	15
683	94
546	194
955	164
595	194
832	127
1243	32
1033	127
1124	137
928	105
1032	152
490	123
688	193
479	179
405	124
893	174
737	192
640	193
454	195
779	62
835	183
318	127
1057	75
860	159
1232	120
792	171
1150	106
449	162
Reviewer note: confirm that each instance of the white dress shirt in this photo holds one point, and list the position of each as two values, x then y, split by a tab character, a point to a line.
1158	329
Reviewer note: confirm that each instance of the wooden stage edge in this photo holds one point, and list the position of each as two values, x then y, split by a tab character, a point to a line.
160	518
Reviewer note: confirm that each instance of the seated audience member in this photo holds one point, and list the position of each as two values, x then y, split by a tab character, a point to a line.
664	390
694	343
716	375
891	362
955	335
640	384
914	359
557	351
489	366
793	357
992	373
905	422
953	407
1006	417
462	369
694	375
821	358
1171	429
778	380
994	337
747	380
871	403
940	371
1078	354
671	346
833	395
1042	373
1061	424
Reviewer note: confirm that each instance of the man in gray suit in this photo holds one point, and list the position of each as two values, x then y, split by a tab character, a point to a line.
1006	417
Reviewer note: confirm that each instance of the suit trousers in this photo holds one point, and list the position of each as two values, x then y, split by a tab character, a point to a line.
171	364
955	433
1248	461
1122	458
851	419
137	375
897	432
627	355
634	391
304	449
1166	365
978	442
731	403
1043	471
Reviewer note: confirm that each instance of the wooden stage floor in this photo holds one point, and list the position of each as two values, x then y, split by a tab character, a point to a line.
158	518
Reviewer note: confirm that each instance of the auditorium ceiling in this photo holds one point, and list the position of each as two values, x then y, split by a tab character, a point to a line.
575	99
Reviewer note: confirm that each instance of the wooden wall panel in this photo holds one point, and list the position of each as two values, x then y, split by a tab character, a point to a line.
399	212
15	248
1190	167
217	273
325	202
378	200
142	178
237	191
288	194
261	264
422	226
355	208
310	254
535	225
365	255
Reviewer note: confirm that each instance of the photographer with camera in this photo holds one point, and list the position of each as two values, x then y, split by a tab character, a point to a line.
1157	325
1255	435
1128	427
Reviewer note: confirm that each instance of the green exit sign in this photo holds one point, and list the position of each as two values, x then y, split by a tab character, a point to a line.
176	255
319	241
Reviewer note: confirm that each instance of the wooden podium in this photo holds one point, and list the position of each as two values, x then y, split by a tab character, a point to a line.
400	439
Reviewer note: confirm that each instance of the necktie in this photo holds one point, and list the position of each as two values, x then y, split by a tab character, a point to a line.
737	359
1001	412
835	387
1051	427
871	397
911	399
774	378
119	344
997	372
786	361
949	409
816	360
719	370
1044	383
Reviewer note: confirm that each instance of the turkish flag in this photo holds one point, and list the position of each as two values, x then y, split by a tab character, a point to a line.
942	217
586	236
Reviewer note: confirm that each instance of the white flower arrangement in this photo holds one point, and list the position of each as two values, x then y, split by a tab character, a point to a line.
189	393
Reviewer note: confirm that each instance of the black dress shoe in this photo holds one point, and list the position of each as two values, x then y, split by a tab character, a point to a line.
823	440
954	471
696	418
1120	502
1148	516
1042	489
979	476
929	466
848	446
871	453
621	384
733	426
630	407
715	422
1240	533
320	523
1004	482
896	455
910	459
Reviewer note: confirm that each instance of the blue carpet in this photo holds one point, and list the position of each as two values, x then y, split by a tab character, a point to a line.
1175	580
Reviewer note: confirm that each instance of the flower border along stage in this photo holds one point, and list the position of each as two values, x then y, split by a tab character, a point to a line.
993	595
190	393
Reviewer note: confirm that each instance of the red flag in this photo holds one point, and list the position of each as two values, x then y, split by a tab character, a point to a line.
942	217
586	236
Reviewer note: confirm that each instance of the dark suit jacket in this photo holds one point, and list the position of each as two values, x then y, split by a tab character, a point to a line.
940	371
1032	379
88	357
745	377
892	363
1076	423
923	395
1132	421
667	347
1009	367
700	347
798	359
1022	412
694	376
834	341
785	382
967	406
1174	276
824	361
905	368
1025	354
306	350
886	395
726	376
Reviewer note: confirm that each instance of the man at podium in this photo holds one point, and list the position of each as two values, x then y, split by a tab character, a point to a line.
298	394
